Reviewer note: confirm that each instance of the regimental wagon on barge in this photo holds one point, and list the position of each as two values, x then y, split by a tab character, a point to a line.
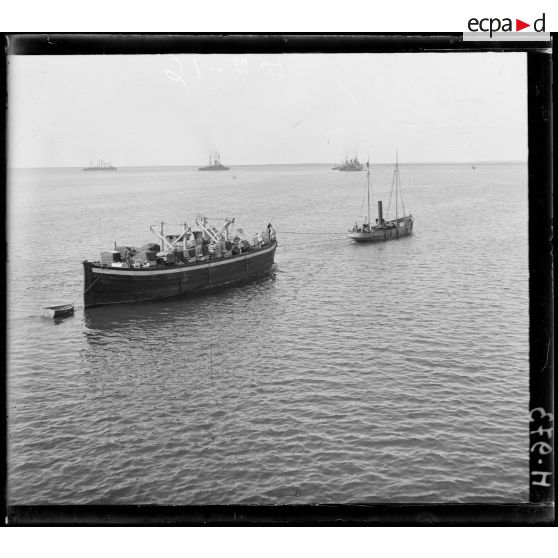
201	257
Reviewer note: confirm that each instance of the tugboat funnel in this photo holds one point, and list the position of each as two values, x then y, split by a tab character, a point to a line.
380	214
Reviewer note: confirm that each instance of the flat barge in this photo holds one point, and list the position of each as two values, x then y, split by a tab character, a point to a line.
200	258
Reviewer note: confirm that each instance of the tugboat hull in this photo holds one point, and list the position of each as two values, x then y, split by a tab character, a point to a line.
109	285
378	235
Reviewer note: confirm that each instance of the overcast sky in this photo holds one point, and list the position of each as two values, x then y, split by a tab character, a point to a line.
256	109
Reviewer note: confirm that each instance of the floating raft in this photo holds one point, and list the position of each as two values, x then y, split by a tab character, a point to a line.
58	311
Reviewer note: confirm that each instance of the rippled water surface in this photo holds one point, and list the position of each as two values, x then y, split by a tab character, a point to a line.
394	372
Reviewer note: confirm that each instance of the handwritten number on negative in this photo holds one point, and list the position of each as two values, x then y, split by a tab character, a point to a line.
542	413
173	76
543	448
542	431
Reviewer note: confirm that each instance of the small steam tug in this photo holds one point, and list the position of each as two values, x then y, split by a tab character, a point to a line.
384	229
201	257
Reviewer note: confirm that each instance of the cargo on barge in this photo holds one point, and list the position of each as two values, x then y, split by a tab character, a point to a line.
202	257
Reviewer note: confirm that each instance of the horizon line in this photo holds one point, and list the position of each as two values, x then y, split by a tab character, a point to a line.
486	162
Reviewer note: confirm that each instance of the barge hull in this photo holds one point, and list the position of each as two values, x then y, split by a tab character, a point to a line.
107	285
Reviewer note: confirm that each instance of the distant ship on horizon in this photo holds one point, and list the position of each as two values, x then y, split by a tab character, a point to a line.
100	166
216	165
350	165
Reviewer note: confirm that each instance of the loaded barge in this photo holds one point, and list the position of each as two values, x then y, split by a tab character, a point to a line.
202	257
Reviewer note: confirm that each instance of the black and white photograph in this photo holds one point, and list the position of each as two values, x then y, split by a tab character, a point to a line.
268	278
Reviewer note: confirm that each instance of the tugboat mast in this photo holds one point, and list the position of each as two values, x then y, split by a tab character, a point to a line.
368	183
396	181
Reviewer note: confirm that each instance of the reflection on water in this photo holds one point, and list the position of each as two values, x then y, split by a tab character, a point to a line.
172	310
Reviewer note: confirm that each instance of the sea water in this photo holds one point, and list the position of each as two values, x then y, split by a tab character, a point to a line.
390	372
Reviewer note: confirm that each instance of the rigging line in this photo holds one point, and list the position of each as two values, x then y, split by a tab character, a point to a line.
308	233
303	244
390	194
298	243
401	196
397	187
90	286
372	189
363	196
368	186
316	242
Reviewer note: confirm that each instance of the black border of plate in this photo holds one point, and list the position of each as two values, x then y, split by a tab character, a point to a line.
540	508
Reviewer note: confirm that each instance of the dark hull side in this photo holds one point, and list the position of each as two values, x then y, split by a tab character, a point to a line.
106	285
59	313
381	235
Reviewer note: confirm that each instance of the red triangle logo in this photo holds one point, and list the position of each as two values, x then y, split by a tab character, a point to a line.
519	25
